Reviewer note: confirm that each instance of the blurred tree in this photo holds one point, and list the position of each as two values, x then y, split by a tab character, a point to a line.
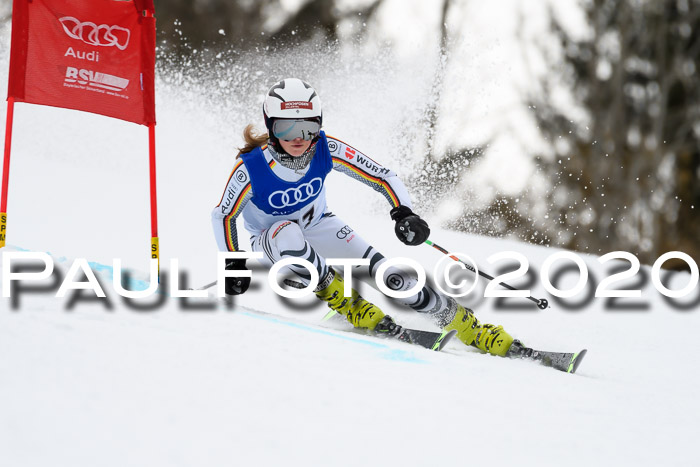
246	24
209	21
627	178
437	176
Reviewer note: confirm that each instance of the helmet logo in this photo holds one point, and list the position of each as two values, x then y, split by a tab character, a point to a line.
296	105
273	90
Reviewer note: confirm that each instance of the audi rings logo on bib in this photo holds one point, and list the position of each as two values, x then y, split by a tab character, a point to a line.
103	35
293	196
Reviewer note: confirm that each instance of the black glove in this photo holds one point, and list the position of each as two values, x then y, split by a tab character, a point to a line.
411	229
236	285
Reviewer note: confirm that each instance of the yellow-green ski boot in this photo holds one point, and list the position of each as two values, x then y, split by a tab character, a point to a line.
487	337
357	310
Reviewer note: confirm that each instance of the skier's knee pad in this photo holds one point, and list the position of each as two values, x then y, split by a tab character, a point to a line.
398	280
423	301
286	236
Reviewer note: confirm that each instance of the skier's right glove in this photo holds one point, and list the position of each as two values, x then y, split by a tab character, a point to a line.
236	285
409	228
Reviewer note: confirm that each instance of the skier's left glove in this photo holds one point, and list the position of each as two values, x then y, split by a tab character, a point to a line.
411	229
236	285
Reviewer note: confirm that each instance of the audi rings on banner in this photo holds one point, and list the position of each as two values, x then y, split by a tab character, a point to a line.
92	34
292	196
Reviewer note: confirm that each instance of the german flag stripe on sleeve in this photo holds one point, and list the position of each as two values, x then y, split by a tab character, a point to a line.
229	180
352	149
370	178
230	240
232	215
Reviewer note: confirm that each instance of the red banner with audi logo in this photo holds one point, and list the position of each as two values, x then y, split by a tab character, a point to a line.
92	55
97	56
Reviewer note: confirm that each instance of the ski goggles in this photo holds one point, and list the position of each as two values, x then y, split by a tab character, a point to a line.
289	130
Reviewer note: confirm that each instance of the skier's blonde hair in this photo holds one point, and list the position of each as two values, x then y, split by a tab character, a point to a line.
252	138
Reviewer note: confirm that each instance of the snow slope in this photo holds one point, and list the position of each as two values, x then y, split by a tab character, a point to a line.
114	386
95	382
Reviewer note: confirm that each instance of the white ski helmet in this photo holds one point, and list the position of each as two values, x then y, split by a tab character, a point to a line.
291	98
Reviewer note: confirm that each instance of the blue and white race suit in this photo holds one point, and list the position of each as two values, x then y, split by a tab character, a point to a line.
286	214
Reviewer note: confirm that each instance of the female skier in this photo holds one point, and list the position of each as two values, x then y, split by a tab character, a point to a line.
277	184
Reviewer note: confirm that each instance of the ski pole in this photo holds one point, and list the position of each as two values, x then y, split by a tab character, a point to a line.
542	303
205	287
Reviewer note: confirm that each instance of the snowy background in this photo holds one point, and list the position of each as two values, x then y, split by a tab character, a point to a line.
87	382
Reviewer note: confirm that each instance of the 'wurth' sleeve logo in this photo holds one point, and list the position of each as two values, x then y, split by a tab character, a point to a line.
372	166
